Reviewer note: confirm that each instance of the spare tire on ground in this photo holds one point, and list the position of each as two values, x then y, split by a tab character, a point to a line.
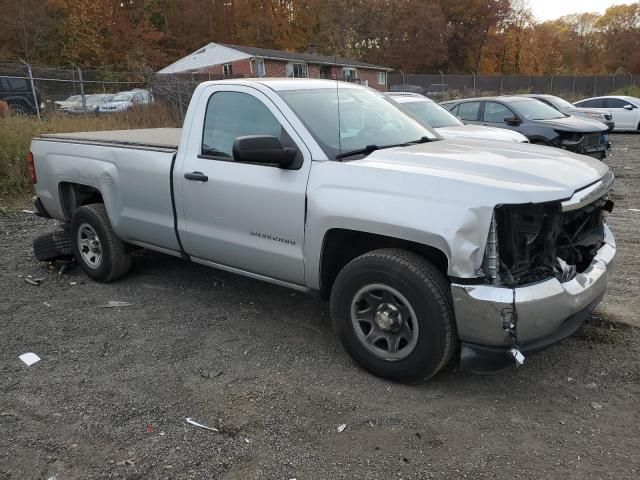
52	246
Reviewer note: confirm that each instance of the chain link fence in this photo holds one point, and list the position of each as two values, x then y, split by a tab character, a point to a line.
43	90
38	90
459	86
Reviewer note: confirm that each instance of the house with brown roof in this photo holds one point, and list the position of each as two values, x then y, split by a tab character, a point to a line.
232	61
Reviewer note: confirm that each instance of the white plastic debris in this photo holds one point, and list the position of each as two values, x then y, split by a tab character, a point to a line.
115	304
596	406
633	209
342	427
30	212
196	424
29	358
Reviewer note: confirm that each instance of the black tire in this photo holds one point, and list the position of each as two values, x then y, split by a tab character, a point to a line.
428	293
114	261
52	246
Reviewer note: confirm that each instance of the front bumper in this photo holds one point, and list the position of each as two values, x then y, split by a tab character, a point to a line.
548	311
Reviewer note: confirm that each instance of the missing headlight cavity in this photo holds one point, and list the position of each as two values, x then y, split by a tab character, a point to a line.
536	242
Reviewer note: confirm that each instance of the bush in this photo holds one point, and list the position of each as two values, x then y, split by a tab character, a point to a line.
16	132
631	91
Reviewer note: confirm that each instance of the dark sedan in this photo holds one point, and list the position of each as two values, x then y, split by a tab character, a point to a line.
537	121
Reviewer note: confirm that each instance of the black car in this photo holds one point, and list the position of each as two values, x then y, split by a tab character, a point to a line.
537	121
17	93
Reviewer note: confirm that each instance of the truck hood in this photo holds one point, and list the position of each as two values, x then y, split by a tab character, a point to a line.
443	193
511	166
574	124
482	133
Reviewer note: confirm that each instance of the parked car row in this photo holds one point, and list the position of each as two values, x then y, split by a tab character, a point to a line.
542	119
539	122
104	102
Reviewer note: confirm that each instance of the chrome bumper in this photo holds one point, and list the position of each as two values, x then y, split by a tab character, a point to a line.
542	307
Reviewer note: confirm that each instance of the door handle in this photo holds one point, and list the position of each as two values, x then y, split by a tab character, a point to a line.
196	176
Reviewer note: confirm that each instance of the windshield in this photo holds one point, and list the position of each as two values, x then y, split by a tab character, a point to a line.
535	110
359	119
122	97
433	114
560	102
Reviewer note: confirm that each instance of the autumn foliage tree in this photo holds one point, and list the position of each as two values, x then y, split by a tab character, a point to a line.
416	36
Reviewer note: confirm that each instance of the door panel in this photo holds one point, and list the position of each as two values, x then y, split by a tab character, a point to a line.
625	119
246	216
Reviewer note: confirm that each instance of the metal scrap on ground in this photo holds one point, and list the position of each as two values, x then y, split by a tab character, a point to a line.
196	424
115	304
29	358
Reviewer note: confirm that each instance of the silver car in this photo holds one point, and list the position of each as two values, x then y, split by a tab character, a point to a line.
565	107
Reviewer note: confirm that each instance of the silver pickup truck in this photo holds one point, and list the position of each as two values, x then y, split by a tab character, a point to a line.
425	247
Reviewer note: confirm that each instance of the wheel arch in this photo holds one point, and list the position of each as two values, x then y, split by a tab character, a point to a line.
74	195
341	245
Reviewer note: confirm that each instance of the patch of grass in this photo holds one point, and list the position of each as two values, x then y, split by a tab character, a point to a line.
630	90
16	133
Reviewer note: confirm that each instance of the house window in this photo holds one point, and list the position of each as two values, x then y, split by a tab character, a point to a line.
297	70
227	70
260	72
349	74
382	78
325	72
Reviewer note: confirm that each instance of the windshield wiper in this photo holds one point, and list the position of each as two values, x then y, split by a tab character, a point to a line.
372	148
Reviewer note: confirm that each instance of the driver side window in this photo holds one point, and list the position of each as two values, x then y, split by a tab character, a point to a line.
231	115
495	112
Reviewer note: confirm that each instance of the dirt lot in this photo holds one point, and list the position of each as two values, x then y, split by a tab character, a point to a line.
110	396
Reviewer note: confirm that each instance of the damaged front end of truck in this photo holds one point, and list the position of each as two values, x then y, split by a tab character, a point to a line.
545	269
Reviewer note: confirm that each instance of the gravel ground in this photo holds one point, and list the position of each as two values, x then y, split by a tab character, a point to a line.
110	396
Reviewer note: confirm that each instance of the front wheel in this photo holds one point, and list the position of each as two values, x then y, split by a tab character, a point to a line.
96	248
392	311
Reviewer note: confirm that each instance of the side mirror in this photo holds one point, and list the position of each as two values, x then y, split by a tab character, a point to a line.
262	149
628	107
512	120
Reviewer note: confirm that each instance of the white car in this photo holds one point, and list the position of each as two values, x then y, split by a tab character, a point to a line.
625	110
125	100
448	125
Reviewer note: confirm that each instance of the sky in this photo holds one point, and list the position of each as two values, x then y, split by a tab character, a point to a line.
552	9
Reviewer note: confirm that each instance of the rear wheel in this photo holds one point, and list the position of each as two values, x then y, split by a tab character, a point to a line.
392	311
96	248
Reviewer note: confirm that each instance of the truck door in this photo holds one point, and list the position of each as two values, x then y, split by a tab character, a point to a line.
244	216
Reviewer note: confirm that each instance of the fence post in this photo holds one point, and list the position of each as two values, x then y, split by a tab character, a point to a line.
595	83
573	85
180	101
529	84
551	85
613	83
474	83
33	88
84	99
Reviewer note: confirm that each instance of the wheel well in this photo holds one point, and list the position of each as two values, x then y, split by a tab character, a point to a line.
75	195
341	246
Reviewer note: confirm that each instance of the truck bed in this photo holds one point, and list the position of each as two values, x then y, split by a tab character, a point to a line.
148	138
